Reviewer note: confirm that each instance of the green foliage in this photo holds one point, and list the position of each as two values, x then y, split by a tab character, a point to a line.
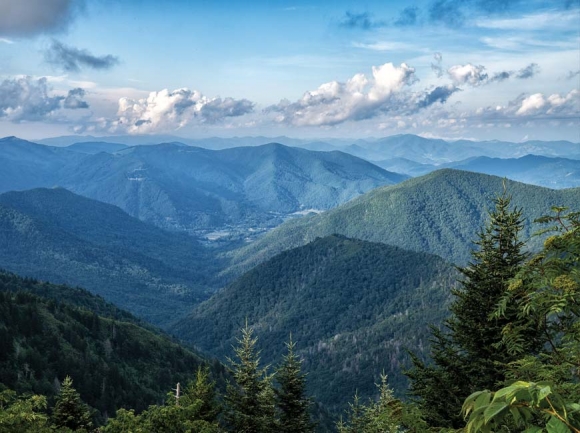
70	412
384	415
23	414
113	361
354	306
468	355
438	213
293	405
529	405
546	292
249	400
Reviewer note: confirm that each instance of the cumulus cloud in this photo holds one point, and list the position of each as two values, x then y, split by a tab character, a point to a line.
33	17
356	99
362	21
170	110
28	99
468	74
555	104
73	59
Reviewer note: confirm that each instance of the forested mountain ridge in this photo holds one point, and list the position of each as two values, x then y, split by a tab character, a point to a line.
352	307
177	186
59	236
48	332
436	213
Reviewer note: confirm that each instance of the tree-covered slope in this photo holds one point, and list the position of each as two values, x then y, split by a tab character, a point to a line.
352	308
48	332
56	235
437	213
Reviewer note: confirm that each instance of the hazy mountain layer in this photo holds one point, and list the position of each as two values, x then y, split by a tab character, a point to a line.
177	186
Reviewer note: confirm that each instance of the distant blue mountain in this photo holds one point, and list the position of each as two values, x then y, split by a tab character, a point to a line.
92	147
177	186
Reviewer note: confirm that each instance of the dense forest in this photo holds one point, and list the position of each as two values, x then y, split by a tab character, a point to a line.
353	307
506	359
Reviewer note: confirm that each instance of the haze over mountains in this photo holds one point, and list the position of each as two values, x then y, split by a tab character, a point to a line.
181	187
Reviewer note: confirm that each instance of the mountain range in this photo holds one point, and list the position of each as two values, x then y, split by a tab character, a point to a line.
182	187
551	172
438	213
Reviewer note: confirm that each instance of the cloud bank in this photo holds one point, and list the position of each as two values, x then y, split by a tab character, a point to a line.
170	110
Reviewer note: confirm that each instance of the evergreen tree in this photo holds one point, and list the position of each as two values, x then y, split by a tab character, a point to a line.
469	356
70	411
291	400
201	393
250	400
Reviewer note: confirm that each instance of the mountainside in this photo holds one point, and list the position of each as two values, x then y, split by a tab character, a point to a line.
352	307
28	165
56	235
437	213
48	332
193	188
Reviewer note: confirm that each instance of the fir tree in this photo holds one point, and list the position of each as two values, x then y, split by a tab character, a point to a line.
291	400
250	400
70	411
469	356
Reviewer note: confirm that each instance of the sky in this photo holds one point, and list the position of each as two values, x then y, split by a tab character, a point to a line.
452	69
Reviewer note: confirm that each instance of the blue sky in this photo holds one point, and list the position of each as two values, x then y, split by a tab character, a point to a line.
481	69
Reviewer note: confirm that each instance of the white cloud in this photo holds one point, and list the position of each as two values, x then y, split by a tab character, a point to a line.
468	74
6	41
358	98
170	110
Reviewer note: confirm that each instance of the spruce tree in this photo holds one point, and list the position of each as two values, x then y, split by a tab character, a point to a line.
250	400
468	356
293	405
70	411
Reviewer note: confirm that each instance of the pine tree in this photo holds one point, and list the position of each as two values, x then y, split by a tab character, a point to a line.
201	393
291	400
70	411
469	355
250	401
